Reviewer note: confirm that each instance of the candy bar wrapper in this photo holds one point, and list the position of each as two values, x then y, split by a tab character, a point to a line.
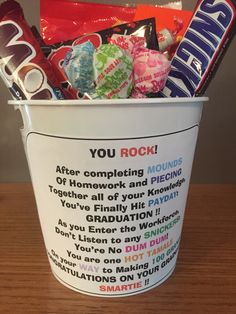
23	67
57	52
203	46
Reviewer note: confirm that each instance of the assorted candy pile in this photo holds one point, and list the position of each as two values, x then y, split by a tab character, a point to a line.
106	64
120	69
130	60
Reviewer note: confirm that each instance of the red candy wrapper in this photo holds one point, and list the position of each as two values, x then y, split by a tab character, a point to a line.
61	20
23	67
171	25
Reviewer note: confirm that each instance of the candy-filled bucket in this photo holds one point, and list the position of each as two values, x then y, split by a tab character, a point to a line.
111	181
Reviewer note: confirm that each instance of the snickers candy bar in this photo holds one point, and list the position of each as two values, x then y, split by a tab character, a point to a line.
204	44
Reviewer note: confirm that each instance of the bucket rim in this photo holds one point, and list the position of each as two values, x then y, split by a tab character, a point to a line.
104	102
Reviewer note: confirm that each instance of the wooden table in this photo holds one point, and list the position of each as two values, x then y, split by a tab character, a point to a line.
204	280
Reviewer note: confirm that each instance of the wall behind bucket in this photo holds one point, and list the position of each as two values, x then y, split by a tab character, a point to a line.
216	149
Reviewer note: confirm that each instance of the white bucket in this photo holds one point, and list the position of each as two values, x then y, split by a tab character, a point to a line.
111	180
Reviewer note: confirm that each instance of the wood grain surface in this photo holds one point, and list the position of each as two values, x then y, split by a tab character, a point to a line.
204	281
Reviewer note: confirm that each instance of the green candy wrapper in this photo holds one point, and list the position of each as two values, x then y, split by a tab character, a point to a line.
113	72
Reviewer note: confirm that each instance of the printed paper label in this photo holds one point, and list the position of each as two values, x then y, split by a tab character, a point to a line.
111	210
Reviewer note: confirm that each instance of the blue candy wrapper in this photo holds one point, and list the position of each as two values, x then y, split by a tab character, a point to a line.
78	66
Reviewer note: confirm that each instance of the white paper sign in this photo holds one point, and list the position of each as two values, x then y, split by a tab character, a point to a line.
111	210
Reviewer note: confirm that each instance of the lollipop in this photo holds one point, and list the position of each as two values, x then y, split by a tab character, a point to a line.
78	66
151	69
113	72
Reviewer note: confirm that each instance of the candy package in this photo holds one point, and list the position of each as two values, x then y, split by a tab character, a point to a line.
122	68
23	67
61	20
211	29
171	24
122	61
56	53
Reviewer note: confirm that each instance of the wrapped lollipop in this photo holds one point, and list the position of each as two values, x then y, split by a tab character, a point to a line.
151	69
78	66
129	43
113	72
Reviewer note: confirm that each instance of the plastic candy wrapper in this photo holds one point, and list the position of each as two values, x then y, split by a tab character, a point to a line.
204	44
167	38
102	73
57	52
78	66
165	17
113	72
171	25
130	43
150	67
117	69
150	72
23	67
61	20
